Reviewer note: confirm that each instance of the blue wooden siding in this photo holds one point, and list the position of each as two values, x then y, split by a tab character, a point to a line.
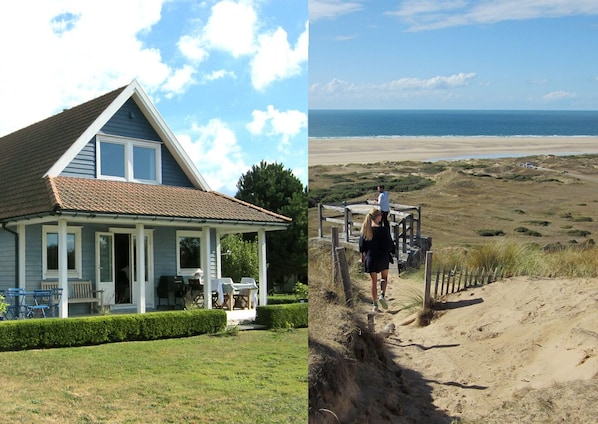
84	164
129	121
7	259
165	246
172	174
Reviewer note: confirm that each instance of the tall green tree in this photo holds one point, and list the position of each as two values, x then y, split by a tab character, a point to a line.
272	187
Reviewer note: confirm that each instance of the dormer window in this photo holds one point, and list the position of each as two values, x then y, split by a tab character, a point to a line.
124	159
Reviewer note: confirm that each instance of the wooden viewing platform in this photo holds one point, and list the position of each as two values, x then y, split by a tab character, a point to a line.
404	220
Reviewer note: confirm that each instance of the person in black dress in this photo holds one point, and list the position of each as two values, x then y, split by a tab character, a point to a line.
375	247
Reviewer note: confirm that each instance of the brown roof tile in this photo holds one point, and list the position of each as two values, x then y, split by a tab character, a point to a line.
116	197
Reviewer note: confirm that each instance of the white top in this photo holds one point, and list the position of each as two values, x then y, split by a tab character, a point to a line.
383	202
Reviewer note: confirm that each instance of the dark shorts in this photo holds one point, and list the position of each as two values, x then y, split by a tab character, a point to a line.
376	264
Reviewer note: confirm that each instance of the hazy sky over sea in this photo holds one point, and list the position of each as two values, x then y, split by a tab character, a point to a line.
453	54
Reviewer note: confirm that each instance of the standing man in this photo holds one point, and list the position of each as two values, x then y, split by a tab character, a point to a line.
383	204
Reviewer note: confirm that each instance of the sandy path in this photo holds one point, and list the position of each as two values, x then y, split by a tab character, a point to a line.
494	340
330	151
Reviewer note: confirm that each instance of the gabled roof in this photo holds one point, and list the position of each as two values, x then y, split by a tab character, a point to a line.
134	91
32	158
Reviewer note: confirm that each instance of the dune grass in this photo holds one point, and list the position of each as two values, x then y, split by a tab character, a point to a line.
255	377
517	258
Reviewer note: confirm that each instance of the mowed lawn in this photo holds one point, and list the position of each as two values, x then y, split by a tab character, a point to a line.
253	377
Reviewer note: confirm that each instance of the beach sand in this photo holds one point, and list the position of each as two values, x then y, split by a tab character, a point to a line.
333	151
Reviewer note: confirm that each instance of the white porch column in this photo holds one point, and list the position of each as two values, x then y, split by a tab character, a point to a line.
63	272
207	268
140	253
263	262
21	229
218	255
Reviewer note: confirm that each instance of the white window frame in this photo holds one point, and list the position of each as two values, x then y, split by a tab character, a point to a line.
187	233
129	143
72	273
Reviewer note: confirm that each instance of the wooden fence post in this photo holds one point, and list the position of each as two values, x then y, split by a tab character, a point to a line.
428	281
347	225
335	263
347	285
320	220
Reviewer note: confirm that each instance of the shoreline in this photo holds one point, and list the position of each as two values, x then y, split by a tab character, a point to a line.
343	150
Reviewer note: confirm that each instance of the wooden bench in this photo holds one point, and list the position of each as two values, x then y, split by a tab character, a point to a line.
79	292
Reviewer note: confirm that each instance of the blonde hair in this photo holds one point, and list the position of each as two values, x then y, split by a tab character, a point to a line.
366	226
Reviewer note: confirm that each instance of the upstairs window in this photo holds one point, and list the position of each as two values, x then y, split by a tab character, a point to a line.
128	160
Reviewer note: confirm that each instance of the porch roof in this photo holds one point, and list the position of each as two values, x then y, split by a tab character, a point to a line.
114	197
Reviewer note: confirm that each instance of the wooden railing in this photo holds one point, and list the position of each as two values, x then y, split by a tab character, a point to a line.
405	221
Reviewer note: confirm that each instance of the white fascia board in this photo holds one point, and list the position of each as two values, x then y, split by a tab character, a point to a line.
90	132
133	90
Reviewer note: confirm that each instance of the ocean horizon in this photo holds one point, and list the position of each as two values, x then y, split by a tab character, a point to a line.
328	123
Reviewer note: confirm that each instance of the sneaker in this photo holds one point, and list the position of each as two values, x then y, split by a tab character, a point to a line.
375	308
383	302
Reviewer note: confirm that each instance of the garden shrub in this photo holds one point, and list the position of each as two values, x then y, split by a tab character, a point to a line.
82	331
282	299
282	316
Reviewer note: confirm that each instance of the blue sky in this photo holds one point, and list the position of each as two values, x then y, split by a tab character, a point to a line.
453	54
229	77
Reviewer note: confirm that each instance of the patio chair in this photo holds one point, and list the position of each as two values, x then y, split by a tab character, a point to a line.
41	302
163	290
55	300
14	297
196	291
217	292
180	290
247	292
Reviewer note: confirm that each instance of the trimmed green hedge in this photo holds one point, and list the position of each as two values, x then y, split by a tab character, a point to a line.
279	299
57	332
282	316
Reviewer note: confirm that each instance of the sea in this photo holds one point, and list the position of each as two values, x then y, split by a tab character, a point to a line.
458	123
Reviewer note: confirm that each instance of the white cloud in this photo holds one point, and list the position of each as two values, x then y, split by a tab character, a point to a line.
276	124
192	48
216	153
558	95
436	14
231	27
439	82
85	43
321	9
216	75
234	28
276	59
336	86
179	81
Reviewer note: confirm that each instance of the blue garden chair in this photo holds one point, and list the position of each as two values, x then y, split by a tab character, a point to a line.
41	304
